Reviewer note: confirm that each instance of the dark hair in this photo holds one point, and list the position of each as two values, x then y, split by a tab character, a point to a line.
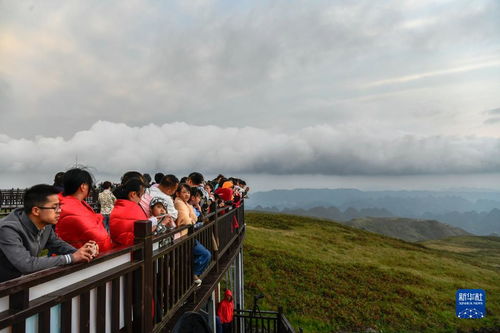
181	186
133	185
130	175
73	178
211	185
37	196
106	185
158	177
195	191
58	179
147	178
169	181
184	179
196	178
222	181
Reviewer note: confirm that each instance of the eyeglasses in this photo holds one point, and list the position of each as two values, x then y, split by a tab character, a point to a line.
55	208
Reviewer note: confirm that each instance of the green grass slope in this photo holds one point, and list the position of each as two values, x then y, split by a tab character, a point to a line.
410	230
485	249
333	278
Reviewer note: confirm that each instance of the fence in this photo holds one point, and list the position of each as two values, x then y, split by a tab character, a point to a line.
251	321
14	198
140	288
10	199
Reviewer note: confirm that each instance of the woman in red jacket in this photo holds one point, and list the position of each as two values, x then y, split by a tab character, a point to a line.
225	311
126	211
78	223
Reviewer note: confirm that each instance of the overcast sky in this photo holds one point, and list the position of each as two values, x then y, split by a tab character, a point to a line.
334	88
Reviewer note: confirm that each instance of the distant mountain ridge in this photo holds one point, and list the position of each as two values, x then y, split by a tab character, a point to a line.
395	201
333	213
381	221
476	212
410	230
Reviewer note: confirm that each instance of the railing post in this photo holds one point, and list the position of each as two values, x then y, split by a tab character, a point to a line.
217	240
144	287
239	292
212	311
17	302
280	319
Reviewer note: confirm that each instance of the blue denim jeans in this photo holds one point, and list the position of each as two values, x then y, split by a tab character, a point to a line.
105	221
202	258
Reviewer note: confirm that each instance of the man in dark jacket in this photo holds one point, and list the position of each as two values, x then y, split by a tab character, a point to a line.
25	232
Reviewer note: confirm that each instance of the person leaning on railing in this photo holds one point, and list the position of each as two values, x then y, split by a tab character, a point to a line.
126	211
187	216
25	232
78	222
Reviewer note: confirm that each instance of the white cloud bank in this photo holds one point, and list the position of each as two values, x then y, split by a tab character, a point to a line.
112	148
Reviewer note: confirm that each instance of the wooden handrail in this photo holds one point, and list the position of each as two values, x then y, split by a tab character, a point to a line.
30	280
162	276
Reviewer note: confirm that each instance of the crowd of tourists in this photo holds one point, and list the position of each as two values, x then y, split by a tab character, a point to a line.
58	218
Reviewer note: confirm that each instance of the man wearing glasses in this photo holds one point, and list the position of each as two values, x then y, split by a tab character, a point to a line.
25	232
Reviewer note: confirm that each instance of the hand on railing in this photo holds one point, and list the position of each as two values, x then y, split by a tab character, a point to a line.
86	253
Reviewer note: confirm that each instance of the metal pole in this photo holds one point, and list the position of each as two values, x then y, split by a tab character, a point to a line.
212	311
239	290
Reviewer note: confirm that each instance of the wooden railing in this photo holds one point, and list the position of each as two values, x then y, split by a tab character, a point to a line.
14	198
10	199
251	321
172	283
140	288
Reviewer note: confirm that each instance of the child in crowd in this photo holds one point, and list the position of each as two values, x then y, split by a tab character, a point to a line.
165	222
209	187
194	200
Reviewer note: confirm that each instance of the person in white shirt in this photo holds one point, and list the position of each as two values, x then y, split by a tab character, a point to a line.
165	190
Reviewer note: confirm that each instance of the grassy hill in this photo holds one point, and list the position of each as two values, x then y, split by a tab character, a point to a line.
485	249
410	230
333	278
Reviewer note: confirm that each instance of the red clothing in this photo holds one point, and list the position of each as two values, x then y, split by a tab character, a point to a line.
225	194
122	219
225	310
78	223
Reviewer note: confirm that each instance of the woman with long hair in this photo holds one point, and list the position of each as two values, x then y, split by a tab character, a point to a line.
187	216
